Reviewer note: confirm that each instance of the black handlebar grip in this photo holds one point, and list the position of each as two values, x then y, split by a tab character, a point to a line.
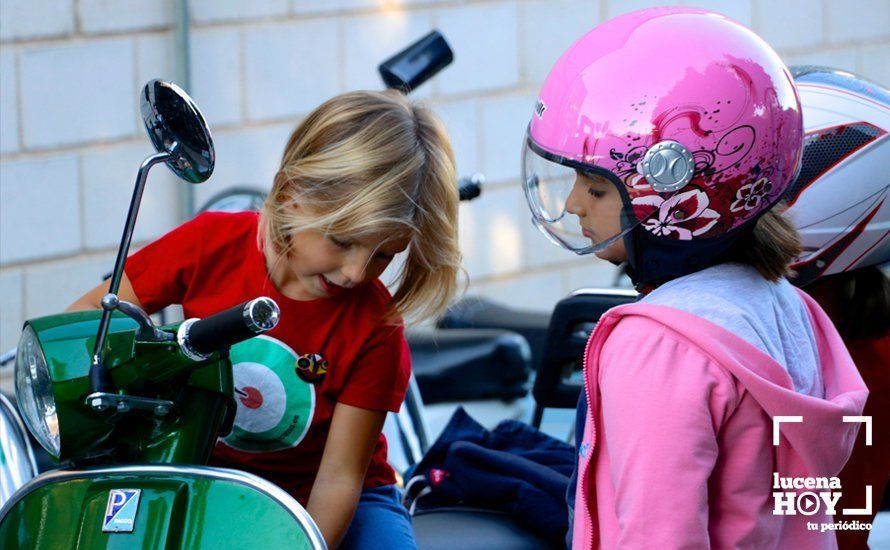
471	187
417	63
200	338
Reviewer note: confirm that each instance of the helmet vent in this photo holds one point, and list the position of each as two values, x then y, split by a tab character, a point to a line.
823	149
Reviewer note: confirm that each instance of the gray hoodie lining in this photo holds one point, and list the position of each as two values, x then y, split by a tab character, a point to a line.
770	316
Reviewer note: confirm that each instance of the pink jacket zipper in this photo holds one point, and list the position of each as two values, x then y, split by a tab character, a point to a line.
592	442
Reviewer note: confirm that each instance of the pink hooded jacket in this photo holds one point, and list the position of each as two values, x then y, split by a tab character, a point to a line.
678	446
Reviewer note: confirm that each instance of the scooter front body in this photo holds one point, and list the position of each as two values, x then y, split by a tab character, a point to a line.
154	506
198	394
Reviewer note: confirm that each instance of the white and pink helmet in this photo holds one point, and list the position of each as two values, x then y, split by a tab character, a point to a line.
692	116
839	202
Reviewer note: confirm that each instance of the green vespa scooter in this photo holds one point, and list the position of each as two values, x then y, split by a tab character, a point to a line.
133	410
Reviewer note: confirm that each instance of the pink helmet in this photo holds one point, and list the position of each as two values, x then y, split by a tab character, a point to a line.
839	202
692	116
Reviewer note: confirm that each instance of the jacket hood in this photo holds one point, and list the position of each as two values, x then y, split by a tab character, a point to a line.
821	439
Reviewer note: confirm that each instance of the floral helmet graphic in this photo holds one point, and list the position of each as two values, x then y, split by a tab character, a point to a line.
691	116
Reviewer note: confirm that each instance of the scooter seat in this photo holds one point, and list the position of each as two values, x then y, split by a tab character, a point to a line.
467	528
477	312
468	364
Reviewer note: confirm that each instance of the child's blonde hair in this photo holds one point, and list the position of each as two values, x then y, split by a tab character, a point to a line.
771	245
373	163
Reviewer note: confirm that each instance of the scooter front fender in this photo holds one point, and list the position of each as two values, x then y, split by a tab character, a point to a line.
155	506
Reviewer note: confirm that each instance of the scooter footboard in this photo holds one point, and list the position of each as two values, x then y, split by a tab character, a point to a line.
155	506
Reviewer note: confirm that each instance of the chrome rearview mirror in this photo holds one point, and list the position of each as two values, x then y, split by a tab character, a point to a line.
182	140
176	127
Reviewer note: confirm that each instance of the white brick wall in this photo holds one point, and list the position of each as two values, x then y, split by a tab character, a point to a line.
245	158
217	84
462	123
39	208
739	10
504	120
77	93
329	6
71	136
11	314
290	68
491	234
843	58
859	21
155	58
370	39
535	292
28	19
618	7
561	22
874	61
212	11
101	16
51	287
486	47
108	176
773	18
9	112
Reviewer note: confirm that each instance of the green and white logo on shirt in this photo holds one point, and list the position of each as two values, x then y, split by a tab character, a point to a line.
275	406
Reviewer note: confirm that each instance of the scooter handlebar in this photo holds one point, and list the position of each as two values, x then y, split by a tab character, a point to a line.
199	338
469	188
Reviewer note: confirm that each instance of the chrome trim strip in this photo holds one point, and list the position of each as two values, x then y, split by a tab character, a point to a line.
182	338
254	482
7	357
261	315
624	292
14	413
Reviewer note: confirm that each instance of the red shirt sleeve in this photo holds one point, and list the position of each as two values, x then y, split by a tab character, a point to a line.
379	378
161	271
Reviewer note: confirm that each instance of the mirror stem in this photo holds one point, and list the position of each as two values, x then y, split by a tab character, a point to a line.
99	379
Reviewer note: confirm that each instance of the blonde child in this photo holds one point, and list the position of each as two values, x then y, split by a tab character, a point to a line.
365	177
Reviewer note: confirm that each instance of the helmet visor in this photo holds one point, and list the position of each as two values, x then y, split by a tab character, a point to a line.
577	206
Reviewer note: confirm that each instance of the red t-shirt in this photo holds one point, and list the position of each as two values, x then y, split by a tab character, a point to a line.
284	412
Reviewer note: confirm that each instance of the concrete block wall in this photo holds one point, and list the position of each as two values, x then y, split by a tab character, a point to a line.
71	137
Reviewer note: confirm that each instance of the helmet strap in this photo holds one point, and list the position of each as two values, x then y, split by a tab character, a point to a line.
653	260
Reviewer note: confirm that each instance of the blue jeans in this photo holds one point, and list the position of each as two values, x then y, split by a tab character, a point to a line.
380	522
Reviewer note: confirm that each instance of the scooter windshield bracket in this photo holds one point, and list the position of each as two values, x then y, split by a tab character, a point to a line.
147	330
102	401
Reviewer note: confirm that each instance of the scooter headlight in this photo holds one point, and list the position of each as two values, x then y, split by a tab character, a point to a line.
33	389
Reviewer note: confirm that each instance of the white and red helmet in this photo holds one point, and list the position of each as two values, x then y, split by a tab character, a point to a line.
691	116
839	201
